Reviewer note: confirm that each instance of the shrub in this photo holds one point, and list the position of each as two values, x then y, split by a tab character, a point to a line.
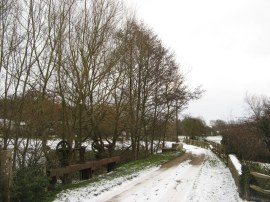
244	140
30	184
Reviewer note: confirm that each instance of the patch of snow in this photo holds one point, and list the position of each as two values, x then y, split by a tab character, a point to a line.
265	166
236	163
214	182
194	150
181	184
216	139
182	138
103	188
209	181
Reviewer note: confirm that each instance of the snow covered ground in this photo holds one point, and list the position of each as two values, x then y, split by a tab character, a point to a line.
216	139
202	177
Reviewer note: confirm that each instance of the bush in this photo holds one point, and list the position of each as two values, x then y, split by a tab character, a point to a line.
30	184
244	140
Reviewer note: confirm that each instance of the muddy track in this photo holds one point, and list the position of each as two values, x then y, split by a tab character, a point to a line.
197	160
145	184
176	161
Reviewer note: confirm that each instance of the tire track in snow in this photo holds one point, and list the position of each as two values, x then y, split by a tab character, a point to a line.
184	180
145	183
214	182
171	183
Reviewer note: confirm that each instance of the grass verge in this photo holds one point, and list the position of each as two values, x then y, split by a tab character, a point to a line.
101	183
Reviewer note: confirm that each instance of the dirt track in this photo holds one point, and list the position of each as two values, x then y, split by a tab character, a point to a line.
177	181
176	161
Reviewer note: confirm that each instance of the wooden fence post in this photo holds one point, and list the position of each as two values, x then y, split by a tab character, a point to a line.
5	174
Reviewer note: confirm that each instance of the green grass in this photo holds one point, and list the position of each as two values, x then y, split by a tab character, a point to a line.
127	170
213	162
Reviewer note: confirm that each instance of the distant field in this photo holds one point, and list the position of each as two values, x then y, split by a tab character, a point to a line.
216	139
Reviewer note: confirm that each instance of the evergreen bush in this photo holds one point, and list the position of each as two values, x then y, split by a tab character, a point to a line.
30	184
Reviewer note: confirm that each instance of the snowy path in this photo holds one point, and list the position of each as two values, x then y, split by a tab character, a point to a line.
200	177
156	185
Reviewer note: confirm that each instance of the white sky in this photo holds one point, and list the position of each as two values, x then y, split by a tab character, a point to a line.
223	45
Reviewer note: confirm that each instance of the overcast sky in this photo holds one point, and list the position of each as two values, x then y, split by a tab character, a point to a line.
223	45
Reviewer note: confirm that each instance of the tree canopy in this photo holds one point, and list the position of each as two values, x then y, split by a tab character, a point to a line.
84	70
192	126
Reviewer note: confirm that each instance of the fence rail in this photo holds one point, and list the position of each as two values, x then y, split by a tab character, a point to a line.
234	171
260	175
197	143
216	148
260	189
85	169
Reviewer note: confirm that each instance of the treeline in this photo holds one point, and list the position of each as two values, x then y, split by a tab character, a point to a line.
194	127
84	70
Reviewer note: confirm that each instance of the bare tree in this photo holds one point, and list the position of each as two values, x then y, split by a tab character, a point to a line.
259	109
83	68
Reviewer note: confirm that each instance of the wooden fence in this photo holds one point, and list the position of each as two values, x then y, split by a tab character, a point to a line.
85	169
235	173
251	185
259	189
197	143
247	189
219	150
215	147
